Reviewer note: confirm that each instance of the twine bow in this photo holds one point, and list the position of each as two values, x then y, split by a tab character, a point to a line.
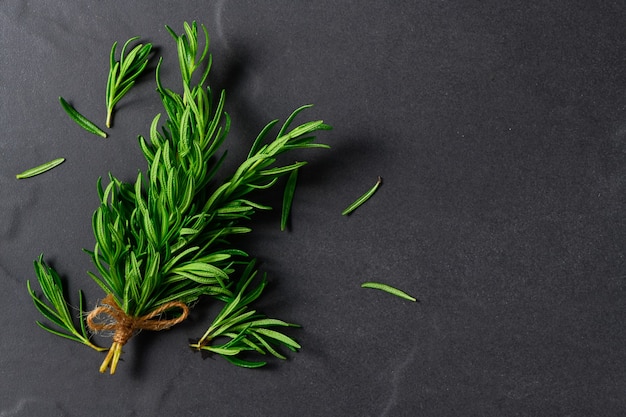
124	326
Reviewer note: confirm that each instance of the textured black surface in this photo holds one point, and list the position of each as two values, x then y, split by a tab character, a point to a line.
499	128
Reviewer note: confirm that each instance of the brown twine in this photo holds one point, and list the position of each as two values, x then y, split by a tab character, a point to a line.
124	325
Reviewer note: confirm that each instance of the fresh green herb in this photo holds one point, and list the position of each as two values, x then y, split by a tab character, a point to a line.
290	189
243	329
58	312
40	169
359	201
123	73
164	241
81	120
389	289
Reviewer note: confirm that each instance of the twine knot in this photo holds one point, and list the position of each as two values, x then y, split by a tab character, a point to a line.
125	325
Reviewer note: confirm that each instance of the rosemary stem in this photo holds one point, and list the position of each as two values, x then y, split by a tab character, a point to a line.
109	117
204	339
116	356
107	359
112	358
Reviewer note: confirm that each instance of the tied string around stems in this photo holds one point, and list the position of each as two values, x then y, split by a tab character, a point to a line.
124	326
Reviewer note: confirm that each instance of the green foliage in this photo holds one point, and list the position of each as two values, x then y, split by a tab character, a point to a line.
389	289
243	329
362	199
168	236
81	120
56	309
40	169
123	73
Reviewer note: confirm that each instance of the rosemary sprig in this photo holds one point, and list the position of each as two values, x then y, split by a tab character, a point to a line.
362	199
56	310
164	241
389	289
244	329
81	120
40	169
123	73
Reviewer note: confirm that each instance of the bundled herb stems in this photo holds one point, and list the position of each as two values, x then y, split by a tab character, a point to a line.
164	241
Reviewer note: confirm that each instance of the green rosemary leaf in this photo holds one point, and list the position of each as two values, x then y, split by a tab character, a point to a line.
389	289
224	351
243	363
40	169
290	189
233	321
359	201
203	269
48	312
81	120
263	186
283	169
123	73
59	333
286	340
270	322
290	119
268	346
256	146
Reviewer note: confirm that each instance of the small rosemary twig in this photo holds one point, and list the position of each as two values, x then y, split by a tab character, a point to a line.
122	73
57	310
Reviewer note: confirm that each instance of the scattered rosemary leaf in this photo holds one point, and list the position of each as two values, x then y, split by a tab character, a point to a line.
40	169
389	289
122	73
81	120
359	201
290	189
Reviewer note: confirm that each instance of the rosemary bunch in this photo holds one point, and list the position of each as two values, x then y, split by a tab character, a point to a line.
165	240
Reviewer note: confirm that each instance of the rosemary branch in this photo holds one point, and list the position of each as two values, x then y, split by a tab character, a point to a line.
123	73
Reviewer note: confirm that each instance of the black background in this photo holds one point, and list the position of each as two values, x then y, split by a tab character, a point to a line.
499	128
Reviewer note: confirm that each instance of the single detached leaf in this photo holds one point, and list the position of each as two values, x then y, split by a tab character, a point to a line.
81	120
40	169
359	201
389	289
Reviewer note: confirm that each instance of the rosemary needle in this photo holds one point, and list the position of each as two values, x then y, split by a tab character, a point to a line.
389	289
81	120
290	189
40	169
359	201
